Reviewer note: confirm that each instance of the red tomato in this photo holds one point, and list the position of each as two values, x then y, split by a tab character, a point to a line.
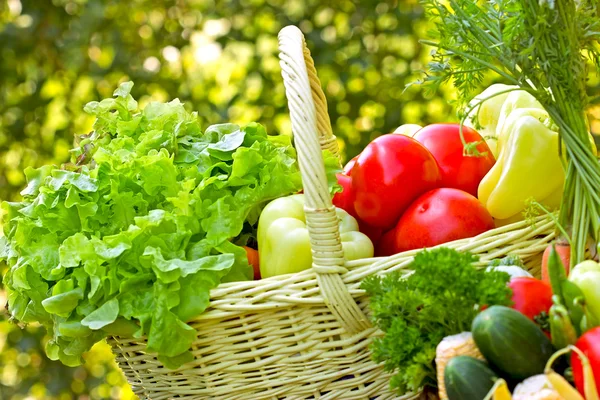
345	198
253	260
531	296
348	167
589	343
372	232
390	173
458	171
387	244
440	216
564	253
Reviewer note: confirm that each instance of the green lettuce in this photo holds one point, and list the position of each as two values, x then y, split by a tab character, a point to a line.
130	237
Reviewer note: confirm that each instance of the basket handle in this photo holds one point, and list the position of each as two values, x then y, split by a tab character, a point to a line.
312	133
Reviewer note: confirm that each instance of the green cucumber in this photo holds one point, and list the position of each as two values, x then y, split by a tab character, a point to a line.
511	342
467	378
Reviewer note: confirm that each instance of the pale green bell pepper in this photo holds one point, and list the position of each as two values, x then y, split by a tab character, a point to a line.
484	117
519	100
408	129
283	242
528	165
586	275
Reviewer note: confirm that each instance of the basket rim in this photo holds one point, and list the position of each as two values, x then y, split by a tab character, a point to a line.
483	244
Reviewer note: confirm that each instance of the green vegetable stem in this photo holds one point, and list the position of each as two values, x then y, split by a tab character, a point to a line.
561	328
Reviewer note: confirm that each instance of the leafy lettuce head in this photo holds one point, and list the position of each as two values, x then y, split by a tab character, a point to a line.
130	237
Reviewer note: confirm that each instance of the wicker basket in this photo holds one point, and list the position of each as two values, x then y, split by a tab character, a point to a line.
304	335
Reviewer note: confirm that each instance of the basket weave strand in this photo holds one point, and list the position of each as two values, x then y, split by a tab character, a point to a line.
326	138
306	335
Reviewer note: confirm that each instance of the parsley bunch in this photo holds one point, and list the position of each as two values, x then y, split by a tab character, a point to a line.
441	298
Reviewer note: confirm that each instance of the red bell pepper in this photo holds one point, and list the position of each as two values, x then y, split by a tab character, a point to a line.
589	344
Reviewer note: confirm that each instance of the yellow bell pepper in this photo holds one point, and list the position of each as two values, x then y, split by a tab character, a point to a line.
484	117
528	165
515	101
551	203
499	391
284	244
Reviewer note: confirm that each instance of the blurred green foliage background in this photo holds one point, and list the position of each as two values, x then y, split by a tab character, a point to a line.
220	58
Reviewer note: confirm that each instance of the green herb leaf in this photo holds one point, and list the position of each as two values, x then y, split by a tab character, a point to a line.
441	298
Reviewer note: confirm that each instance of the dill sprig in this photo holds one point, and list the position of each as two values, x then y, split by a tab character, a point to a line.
546	48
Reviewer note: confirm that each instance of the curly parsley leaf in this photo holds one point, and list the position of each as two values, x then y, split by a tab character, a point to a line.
440	298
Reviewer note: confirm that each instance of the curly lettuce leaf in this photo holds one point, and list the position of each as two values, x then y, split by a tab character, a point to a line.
132	235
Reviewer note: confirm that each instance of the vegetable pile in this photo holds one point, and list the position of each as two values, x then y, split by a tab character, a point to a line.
153	212
474	333
131	237
439	299
411	192
543	48
537	131
422	187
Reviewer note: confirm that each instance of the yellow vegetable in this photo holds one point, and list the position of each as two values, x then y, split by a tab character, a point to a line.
490	110
551	203
528	165
514	101
506	126
484	117
563	387
566	391
499	391
589	387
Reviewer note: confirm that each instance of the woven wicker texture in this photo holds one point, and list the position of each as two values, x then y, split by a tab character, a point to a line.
302	336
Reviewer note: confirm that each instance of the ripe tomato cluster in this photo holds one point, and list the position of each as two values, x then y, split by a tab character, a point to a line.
418	191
